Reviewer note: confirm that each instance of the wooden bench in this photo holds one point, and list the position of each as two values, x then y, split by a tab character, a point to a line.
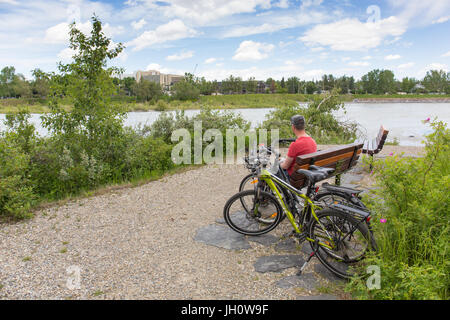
374	146
340	158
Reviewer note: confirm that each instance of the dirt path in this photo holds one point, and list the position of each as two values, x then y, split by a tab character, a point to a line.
138	243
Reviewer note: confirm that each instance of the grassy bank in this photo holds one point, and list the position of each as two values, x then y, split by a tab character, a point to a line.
238	101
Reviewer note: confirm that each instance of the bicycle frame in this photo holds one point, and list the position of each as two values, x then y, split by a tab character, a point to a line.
269	179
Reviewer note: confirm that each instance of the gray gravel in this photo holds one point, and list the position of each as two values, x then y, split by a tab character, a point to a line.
137	243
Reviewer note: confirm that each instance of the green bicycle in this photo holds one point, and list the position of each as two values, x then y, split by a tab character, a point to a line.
338	233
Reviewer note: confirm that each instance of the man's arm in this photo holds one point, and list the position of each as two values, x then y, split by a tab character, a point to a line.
286	163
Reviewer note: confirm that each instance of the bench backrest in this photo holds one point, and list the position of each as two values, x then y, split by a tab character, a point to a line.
340	158
381	139
374	146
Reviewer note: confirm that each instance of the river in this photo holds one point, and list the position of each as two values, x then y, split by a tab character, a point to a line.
403	120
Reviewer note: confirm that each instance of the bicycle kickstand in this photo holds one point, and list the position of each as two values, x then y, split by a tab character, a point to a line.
313	253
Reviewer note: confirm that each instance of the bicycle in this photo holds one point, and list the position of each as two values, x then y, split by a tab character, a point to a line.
330	194
338	234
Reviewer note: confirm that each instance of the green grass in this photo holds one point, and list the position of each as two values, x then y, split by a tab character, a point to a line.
98	293
236	101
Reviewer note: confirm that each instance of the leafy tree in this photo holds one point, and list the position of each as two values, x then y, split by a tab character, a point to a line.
185	90
93	123
40	85
436	81
146	90
251	85
408	84
293	85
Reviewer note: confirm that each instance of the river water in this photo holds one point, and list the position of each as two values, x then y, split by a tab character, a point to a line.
403	120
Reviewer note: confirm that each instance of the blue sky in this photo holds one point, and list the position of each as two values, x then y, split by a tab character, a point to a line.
259	38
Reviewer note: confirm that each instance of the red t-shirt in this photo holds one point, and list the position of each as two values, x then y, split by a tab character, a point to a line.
302	145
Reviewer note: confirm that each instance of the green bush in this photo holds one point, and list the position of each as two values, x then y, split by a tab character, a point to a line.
413	197
16	192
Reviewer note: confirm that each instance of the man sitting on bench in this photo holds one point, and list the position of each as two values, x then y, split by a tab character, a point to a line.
303	145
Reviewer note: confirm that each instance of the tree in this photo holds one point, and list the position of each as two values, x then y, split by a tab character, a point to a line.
251	85
146	90
40	85
378	82
408	84
292	85
310	87
6	78
185	90
94	124
436	81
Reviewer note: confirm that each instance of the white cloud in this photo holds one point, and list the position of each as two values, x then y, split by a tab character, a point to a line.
158	67
180	56
210	60
250	51
406	65
173	30
447	54
392	57
367	58
317	49
284	4
352	34
59	34
137	25
277	23
437	66
309	3
203	12
359	64
66	54
13	2
441	20
419	12
432	66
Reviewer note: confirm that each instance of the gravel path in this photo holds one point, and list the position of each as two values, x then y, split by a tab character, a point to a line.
138	243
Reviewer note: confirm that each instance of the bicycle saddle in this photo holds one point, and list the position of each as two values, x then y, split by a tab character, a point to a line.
316	174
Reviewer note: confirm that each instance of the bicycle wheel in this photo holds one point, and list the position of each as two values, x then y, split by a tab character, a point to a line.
248	183
349	239
263	215
328	198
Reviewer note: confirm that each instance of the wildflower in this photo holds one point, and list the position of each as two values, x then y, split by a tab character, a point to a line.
391	154
383	220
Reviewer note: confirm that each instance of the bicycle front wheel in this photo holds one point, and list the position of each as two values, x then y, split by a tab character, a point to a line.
252	215
348	239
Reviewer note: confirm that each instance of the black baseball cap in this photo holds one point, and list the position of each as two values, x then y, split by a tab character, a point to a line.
298	120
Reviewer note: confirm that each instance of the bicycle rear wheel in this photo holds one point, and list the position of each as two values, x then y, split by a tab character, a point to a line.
349	239
328	198
250	215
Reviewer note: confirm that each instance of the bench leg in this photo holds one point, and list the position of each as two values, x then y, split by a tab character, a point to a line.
337	180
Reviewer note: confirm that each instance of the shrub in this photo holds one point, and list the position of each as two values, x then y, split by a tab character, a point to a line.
413	198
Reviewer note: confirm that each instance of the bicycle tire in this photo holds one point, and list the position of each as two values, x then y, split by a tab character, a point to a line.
245	222
340	263
339	197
